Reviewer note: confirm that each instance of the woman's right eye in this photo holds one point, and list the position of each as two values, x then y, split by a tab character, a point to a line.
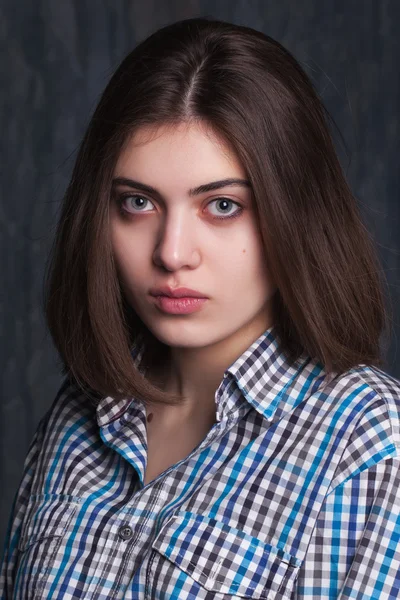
137	203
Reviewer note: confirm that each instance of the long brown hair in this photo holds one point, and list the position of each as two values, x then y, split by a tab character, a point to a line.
248	88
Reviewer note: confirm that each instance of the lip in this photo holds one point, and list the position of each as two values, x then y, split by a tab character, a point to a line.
179	306
181	292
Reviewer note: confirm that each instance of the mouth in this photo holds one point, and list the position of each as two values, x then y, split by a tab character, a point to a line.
183	305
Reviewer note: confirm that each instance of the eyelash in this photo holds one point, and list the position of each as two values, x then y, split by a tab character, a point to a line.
122	197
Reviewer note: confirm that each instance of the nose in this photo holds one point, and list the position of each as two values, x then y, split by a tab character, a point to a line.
176	245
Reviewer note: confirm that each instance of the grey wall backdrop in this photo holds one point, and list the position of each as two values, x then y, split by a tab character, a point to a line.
56	58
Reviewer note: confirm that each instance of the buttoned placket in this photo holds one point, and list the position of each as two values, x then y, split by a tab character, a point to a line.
131	427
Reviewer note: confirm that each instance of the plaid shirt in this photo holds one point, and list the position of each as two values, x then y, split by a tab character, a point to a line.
293	494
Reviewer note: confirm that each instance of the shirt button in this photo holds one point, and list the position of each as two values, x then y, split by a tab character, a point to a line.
125	532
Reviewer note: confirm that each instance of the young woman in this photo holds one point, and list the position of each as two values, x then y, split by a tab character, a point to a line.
224	429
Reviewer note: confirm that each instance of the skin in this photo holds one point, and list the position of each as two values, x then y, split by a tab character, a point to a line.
175	240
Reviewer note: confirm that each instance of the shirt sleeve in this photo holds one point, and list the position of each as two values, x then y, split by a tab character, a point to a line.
354	552
10	550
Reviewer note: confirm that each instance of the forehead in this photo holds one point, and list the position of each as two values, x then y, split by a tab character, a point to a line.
193	148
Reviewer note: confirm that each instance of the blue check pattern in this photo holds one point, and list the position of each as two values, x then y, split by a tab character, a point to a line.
294	493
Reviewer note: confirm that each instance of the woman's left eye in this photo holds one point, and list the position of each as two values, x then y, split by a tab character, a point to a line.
225	204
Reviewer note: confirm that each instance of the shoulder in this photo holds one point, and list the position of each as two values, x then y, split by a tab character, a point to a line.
69	413
387	389
67	432
374	430
376	397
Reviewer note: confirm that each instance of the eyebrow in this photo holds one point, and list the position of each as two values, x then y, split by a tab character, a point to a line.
201	189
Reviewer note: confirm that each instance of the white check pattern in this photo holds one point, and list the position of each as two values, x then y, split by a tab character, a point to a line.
294	494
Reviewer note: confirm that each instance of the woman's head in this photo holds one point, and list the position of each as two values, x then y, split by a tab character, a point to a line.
196	102
175	235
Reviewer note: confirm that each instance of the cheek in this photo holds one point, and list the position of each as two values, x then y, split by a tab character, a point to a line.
244	259
128	255
247	269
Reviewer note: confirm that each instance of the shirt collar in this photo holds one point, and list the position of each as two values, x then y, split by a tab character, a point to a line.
270	380
267	378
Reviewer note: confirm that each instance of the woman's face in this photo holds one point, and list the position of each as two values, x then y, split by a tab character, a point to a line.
170	237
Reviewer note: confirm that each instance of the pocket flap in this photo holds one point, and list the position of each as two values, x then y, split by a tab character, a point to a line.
226	560
47	515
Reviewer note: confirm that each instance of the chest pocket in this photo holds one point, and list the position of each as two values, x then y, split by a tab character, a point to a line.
221	561
44	526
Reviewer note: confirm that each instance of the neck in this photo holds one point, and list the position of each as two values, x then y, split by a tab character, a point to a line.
196	373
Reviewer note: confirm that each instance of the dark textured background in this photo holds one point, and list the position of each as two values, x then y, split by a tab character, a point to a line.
56	58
